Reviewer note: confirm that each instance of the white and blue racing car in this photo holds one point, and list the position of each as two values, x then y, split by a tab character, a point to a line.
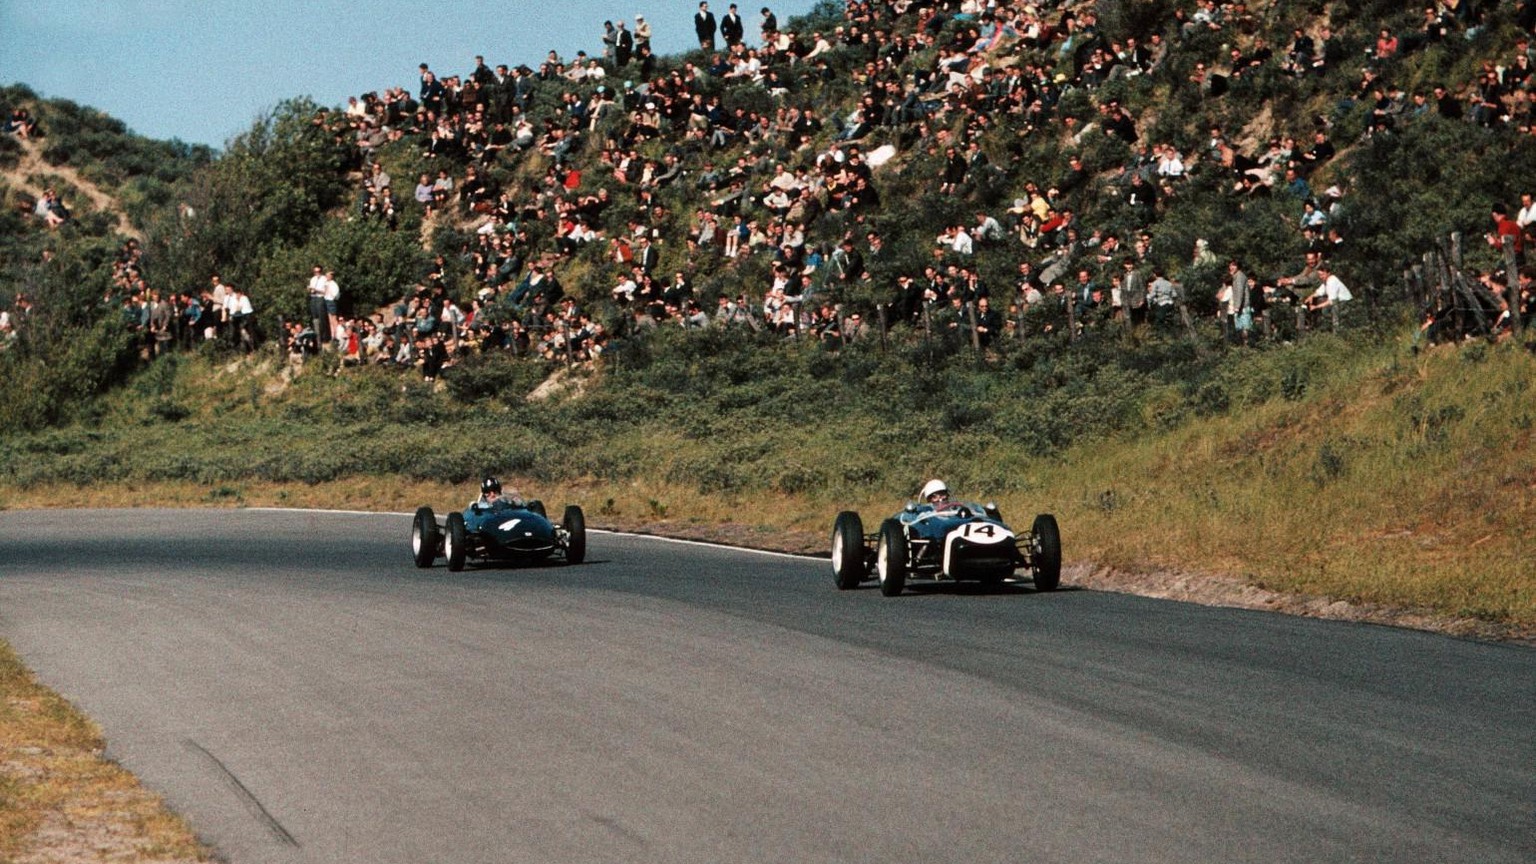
940	539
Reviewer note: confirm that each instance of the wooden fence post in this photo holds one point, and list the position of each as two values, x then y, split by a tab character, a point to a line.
1512	280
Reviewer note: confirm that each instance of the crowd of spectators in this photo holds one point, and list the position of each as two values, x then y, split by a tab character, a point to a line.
1002	59
161	321
934	78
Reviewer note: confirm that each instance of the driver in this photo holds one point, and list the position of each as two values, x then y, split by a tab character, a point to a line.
490	495
935	493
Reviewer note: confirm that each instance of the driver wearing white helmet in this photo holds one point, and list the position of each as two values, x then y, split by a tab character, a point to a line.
935	493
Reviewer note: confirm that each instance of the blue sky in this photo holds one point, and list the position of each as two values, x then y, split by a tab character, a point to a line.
203	71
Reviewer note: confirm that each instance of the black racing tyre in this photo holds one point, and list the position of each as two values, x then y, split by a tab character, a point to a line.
424	537
848	550
575	524
537	506
891	558
1045	553
456	542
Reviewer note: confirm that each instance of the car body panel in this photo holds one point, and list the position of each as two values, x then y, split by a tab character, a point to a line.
507	531
959	540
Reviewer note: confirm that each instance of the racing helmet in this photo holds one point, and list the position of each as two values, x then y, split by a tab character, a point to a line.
489	485
932	488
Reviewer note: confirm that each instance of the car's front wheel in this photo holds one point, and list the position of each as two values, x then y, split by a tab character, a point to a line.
575	524
424	537
891	558
1045	553
848	550
456	542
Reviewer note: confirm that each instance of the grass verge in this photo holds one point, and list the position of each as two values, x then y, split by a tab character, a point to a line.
61	800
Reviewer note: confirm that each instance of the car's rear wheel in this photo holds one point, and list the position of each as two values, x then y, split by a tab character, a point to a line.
848	550
575	524
424	537
1045	553
891	558
537	506
456	542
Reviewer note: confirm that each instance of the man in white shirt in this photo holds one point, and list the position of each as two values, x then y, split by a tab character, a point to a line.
1526	218
316	290
237	311
331	294
1331	291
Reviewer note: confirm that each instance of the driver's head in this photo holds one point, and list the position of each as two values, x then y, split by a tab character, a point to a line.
935	492
490	487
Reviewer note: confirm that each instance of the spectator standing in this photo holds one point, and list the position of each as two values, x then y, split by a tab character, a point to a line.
1503	226
332	295
642	34
1162	296
1239	312
319	317
770	26
610	39
238	311
732	30
1133	290
1526	217
704	27
623	46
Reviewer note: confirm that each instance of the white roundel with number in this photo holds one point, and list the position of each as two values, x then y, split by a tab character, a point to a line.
973	535
982	532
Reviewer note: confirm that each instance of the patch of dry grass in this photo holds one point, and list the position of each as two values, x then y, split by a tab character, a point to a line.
1414	490
61	800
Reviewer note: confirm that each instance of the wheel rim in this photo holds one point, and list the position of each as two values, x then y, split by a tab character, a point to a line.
883	561
449	546
837	554
416	538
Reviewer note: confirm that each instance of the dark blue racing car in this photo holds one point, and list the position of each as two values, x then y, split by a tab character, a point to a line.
497	529
940	539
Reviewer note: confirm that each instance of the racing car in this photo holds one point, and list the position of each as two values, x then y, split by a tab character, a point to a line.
508	531
944	540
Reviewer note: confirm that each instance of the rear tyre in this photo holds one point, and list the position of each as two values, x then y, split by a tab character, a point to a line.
575	524
424	537
456	542
1045	553
891	558
848	550
537	506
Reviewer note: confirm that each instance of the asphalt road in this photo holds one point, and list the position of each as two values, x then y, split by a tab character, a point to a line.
300	692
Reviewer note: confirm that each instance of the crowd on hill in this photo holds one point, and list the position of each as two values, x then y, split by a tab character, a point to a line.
934	79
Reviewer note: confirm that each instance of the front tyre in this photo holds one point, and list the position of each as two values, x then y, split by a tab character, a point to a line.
424	537
1045	553
891	558
456	542
848	550
575	524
